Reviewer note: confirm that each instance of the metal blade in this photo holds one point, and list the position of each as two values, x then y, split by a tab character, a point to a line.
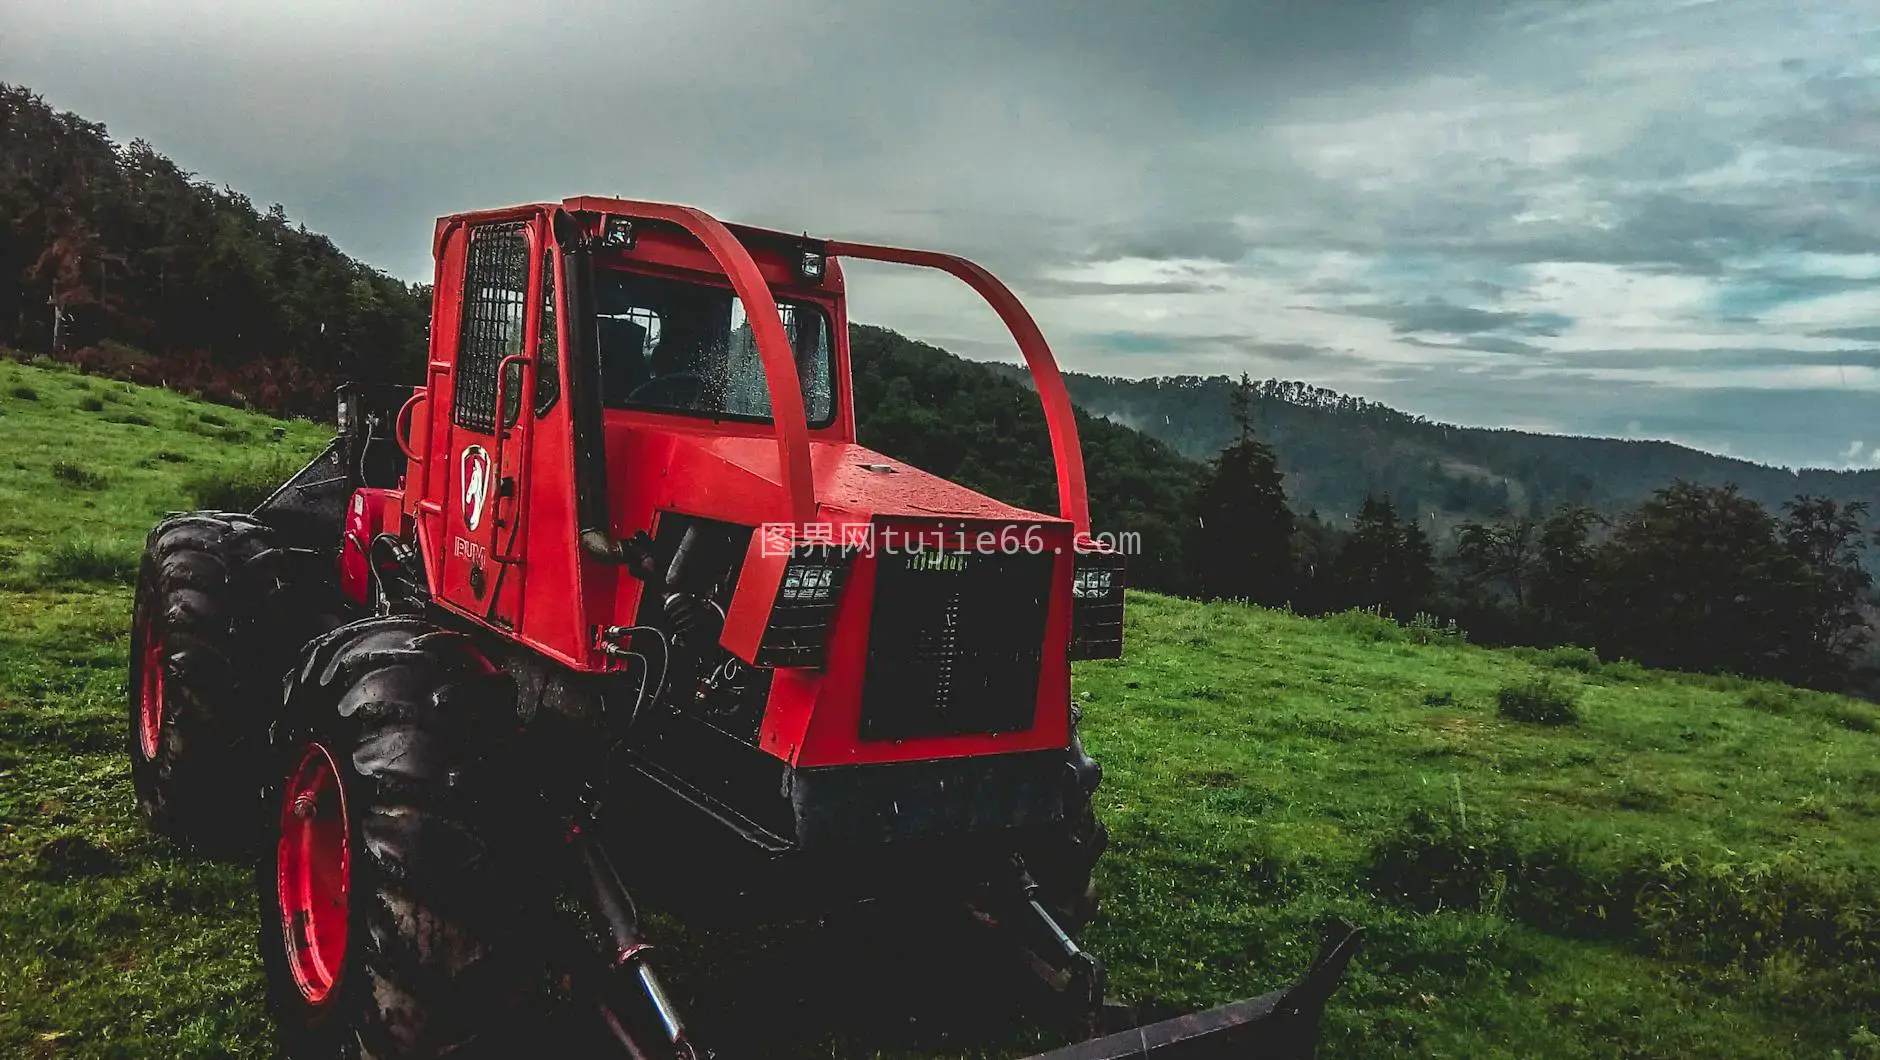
1283	1025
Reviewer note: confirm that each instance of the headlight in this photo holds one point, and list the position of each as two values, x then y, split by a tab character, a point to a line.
805	602
810	266
808	583
1095	583
617	234
1097	606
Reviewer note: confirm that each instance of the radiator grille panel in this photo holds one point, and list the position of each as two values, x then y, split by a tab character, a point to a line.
955	645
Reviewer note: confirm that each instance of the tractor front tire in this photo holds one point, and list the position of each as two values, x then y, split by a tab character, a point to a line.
203	637
397	903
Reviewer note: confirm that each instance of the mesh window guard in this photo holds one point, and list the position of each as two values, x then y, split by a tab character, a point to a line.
495	294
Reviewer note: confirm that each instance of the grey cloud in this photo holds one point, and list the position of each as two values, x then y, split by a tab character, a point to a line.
1845	117
1228	349
1208	240
1284	352
1484	343
1435	315
1231	359
1080	288
1862	333
1336	287
1698	361
1789	420
1664	149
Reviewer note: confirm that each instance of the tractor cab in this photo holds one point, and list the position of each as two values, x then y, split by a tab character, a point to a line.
688	445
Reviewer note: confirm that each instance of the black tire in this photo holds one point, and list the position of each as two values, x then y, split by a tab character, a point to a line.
207	654
444	896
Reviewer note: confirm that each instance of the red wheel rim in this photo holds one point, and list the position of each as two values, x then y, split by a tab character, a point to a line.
150	692
314	869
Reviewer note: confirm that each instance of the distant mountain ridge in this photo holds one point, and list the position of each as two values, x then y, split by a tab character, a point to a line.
1335	448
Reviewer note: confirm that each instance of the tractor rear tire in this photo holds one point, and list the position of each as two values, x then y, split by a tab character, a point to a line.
207	654
398	903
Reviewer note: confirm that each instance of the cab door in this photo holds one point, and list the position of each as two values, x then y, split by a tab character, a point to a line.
493	370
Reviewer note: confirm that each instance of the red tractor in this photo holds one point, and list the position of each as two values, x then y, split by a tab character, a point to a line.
617	576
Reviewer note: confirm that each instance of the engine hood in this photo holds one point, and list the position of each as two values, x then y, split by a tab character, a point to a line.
738	477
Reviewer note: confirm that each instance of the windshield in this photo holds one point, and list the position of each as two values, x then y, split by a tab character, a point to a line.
688	347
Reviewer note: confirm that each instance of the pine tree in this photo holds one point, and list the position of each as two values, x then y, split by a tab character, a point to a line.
1825	537
1243	542
1385	561
1413	571
1560	590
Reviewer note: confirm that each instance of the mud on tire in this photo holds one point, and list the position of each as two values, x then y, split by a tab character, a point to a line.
431	955
207	654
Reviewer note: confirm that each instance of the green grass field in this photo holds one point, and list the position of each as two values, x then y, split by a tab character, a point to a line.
1688	869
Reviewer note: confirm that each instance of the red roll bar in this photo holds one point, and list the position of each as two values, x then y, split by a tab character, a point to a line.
786	394
773	343
1073	502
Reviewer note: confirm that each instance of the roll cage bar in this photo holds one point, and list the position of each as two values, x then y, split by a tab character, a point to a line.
773	348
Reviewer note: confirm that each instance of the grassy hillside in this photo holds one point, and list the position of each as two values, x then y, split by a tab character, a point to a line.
110	943
1687	870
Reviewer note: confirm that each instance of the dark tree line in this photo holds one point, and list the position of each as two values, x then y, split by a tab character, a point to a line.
1695	578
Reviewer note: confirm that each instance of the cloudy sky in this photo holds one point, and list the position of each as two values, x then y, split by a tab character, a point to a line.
1650	218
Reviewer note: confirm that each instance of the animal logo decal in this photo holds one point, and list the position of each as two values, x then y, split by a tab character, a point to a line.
476	485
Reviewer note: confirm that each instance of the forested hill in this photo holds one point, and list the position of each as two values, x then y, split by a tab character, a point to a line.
166	278
1335	448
